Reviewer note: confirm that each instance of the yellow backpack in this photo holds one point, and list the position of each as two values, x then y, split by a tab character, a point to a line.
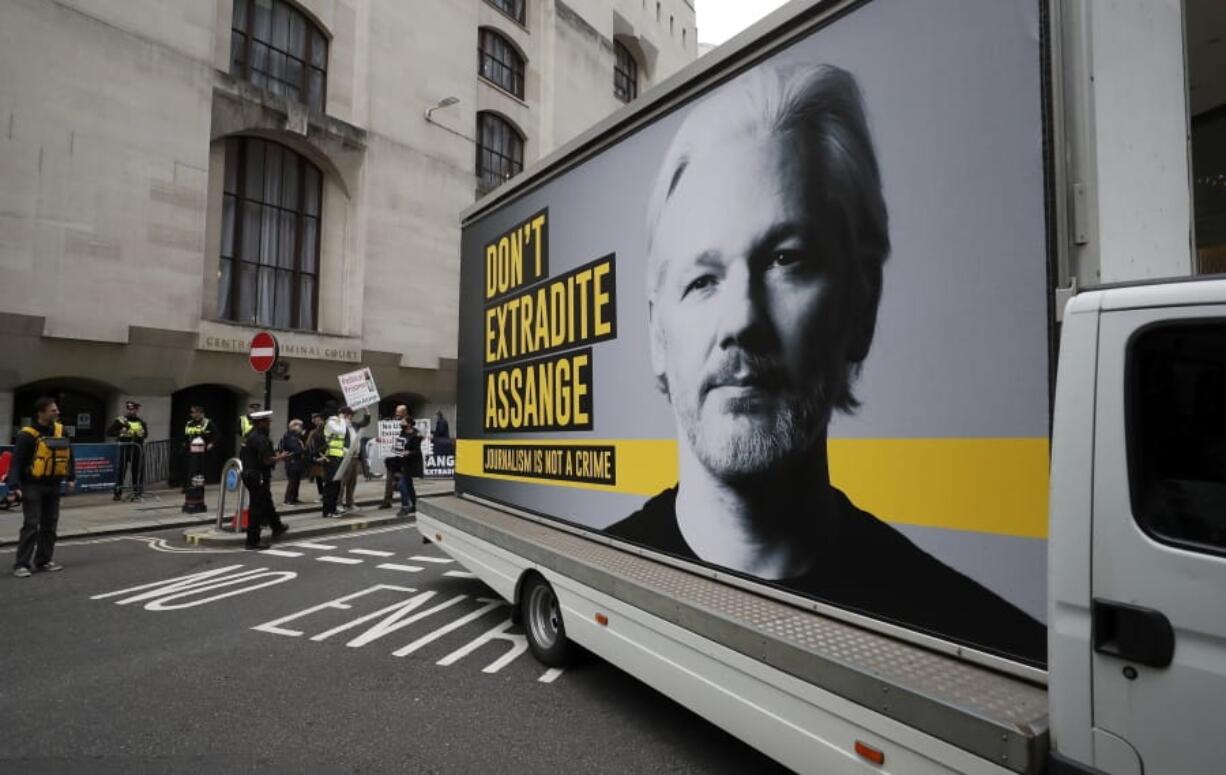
51	455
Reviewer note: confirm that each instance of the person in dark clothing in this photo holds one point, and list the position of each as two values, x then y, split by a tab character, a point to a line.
199	440
758	326
258	458
315	452
408	450
867	566
295	462
42	461
441	429
393	462
131	431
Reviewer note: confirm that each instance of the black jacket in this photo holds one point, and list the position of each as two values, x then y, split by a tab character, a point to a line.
120	426
871	568
292	443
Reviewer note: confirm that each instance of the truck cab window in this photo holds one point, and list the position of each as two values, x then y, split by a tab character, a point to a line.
1177	433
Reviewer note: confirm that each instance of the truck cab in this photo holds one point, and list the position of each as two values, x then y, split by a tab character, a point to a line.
1137	565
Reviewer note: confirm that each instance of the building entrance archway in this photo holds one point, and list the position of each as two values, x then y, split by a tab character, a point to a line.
83	406
220	405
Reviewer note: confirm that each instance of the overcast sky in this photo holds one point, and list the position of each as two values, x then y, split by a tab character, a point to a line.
719	20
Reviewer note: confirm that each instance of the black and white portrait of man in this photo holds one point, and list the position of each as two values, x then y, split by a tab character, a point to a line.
767	238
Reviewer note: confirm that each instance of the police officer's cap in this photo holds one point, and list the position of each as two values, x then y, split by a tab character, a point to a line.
263	414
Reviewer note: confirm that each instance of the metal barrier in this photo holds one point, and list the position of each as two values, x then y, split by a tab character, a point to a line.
156	461
231	482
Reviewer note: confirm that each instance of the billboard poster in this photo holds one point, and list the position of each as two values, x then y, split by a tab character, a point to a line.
794	329
438	458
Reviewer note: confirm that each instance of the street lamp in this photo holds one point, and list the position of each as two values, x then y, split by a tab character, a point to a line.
443	103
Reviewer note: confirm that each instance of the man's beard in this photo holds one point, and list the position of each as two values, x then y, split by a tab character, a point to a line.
742	446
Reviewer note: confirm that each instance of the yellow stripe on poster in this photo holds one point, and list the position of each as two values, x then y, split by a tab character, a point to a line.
992	485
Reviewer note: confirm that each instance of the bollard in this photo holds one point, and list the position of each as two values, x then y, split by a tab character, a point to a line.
193	493
232	486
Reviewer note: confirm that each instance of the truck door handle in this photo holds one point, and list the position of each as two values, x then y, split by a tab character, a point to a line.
1132	633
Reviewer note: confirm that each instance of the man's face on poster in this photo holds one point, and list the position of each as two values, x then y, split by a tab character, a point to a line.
751	320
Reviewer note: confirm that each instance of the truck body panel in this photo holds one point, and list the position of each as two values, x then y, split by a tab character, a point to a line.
799	686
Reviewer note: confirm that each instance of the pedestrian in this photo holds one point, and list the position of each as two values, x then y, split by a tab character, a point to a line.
316	451
350	480
441	429
293	445
392	462
410	445
258	458
244	420
199	439
336	443
42	460
131	432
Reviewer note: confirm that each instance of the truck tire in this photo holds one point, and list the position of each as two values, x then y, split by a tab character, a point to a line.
542	621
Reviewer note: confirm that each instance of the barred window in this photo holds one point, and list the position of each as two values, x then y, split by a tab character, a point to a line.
498	61
275	46
625	73
269	272
500	150
512	8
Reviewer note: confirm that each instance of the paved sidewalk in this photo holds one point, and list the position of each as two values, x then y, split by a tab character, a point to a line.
91	514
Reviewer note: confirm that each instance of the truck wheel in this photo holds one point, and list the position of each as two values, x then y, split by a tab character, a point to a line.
542	619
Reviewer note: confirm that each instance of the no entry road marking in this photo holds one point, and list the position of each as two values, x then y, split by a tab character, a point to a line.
309	545
372	552
281	553
460	574
439	560
404	568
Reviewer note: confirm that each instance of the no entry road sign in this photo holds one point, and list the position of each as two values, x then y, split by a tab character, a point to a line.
263	351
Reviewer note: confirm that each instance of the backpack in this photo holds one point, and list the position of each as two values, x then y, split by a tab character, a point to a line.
51	454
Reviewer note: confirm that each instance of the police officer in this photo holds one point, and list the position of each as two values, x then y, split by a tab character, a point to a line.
199	437
258	458
131	431
244	420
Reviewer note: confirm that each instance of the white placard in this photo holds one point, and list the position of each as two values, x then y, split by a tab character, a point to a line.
359	388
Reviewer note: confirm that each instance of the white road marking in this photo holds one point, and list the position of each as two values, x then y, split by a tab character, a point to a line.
550	675
490	605
340	560
460	574
309	545
340	603
519	644
372	552
394	566
281	553
439	560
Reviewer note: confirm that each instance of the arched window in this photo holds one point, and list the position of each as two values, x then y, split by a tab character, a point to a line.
269	273
625	73
500	149
274	45
498	61
512	8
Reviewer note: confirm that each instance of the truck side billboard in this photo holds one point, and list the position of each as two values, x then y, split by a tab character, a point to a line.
795	328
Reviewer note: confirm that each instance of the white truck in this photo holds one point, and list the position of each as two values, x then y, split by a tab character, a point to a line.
1134	675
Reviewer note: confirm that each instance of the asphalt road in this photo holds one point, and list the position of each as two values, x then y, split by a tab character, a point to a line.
278	663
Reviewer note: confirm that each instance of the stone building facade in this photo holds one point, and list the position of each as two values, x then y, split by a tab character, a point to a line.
176	175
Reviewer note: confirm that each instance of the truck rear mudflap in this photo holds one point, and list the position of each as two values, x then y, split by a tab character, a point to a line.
804	688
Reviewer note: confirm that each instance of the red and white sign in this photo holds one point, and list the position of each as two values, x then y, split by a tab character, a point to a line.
263	351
